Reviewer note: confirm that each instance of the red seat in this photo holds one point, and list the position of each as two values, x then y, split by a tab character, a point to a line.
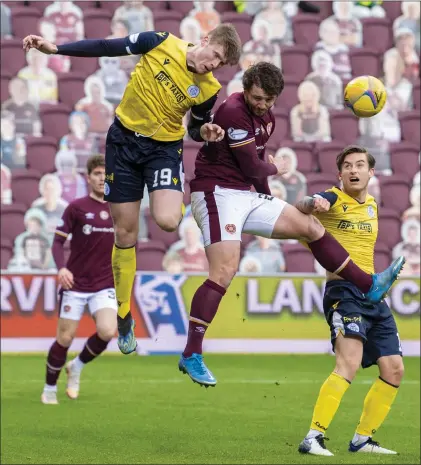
282	129
25	186
365	61
377	33
395	192
410	126
344	126
404	159
182	7
85	4
226	73
326	156
168	20
189	159
55	119
296	60
84	66
319	182
111	5
155	233
416	95
392	9
11	224
298	259
71	87
12	56
304	152
289	97
5	79
97	23
41	5
305	28
6	254
149	255
242	23
25	21
389	227
154	5
41	153
381	257
325	8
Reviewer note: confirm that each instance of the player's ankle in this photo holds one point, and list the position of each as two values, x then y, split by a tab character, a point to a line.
314	433
50	387
124	324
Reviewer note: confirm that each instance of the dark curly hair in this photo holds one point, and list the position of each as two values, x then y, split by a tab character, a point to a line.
266	76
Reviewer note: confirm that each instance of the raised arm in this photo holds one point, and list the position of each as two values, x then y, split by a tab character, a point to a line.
318	203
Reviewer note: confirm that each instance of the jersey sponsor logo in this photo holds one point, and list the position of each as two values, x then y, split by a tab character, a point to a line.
353	327
349	225
169	84
133	38
237	134
89	216
89	229
269	128
352	319
230	228
193	91
104	215
106	189
370	211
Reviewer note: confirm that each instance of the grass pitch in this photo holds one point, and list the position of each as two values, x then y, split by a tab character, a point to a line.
141	410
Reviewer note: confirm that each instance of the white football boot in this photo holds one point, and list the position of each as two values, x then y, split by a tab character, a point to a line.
314	446
49	397
370	447
73	380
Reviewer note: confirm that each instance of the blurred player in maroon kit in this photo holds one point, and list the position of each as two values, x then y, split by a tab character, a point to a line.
224	208
86	280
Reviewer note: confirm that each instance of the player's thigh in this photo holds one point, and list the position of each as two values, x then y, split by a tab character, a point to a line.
71	308
264	215
124	181
293	224
223	258
348	353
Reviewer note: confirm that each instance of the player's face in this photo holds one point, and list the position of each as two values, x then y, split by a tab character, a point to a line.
258	101
209	57
355	173
96	180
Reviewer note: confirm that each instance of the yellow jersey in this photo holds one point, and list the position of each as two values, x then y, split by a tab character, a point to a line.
354	225
161	89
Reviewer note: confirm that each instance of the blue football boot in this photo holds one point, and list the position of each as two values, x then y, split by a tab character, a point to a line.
195	367
127	343
383	281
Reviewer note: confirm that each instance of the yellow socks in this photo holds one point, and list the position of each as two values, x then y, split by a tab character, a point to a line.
124	270
377	405
327	404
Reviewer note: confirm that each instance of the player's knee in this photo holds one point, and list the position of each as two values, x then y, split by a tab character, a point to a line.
126	236
315	229
107	331
168	221
393	372
223	274
65	338
347	366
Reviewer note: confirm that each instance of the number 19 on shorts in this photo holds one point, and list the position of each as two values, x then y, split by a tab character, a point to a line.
162	177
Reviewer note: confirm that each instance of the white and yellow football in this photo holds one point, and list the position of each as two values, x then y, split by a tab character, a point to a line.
365	96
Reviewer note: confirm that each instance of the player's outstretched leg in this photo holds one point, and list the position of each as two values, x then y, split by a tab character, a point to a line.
383	281
55	361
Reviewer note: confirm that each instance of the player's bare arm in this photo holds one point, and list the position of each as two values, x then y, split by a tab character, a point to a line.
314	204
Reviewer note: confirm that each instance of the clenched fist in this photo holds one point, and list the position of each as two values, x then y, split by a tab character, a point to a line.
212	132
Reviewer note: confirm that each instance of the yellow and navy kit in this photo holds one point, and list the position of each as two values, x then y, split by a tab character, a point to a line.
161	89
353	224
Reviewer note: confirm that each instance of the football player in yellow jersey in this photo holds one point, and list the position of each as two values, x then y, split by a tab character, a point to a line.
362	333
145	142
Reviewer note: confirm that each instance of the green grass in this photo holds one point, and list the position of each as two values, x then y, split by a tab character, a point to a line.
141	410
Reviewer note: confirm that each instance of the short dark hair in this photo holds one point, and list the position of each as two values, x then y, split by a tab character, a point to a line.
227	36
265	75
354	149
94	161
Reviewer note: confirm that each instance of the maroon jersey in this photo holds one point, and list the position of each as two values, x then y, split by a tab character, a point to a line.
237	162
91	227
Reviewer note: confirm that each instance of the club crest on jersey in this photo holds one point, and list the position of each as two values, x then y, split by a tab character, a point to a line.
230	228
104	215
269	128
193	91
87	229
237	134
370	211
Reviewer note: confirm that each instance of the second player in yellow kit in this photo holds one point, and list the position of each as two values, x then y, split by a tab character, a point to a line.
145	142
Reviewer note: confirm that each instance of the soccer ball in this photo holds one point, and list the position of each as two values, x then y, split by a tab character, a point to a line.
365	96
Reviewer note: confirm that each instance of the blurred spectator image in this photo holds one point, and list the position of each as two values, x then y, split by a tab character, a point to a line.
374	188
274	14
293	181
68	20
172	262
399	88
42	81
409	247
350	27
309	119
416	180
6	23
5	185
58	63
405	45
410	19
268	252
113	77
79	140
250	264
99	110
329	83
13	147
35	224
73	184
51	202
330	41
120	30
190	30
190	248
26	116
235	85
369	9
246	60
413	212
138	17
205	13
261	44
278	190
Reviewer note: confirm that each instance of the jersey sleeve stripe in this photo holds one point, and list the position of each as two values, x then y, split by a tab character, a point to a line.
61	233
244	142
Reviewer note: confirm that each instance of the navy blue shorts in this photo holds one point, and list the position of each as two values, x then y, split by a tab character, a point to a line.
349	313
132	160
